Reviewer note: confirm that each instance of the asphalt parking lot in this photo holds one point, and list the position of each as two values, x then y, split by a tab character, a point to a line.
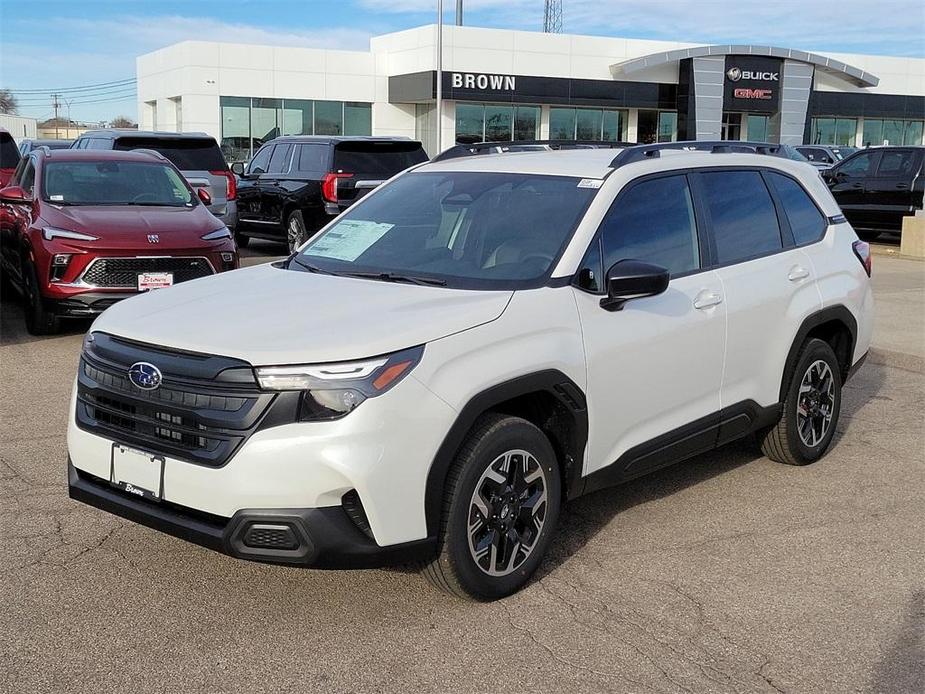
728	573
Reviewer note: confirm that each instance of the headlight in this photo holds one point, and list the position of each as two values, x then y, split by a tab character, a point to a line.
223	233
49	233
330	391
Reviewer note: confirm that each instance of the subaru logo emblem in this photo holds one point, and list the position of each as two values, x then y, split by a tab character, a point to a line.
734	74
144	375
154	238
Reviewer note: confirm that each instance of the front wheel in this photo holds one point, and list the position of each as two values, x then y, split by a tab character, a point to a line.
39	320
811	408
501	507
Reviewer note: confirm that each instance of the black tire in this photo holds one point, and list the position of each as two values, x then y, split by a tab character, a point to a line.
296	233
868	235
493	437
243	240
39	320
783	442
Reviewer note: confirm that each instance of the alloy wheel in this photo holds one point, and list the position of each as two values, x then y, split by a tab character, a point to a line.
815	403
507	512
294	234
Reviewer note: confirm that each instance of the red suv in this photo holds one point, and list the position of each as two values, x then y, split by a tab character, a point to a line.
83	229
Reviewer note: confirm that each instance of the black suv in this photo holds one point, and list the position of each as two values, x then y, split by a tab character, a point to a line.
877	187
294	185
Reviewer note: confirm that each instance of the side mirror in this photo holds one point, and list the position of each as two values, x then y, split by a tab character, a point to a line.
633	279
237	168
14	195
204	196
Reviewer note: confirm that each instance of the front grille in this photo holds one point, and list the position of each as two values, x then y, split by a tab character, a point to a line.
123	273
200	413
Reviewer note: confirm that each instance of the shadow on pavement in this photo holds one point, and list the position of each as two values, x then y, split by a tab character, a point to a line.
903	668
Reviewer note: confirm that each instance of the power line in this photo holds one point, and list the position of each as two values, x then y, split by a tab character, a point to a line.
85	87
88	95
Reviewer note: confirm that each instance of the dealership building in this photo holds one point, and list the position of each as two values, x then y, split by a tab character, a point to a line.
518	85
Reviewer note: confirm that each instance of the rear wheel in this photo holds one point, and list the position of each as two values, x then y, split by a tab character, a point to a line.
39	320
295	231
811	409
501	507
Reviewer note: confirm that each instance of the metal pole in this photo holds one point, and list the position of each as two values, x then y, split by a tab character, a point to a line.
439	76
459	14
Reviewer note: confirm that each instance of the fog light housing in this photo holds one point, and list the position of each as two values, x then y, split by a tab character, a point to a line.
329	404
59	263
228	261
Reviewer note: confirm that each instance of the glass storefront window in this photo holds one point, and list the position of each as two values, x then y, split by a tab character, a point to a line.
834	131
667	126
329	118
845	131
561	123
498	122
913	132
297	117
249	122
757	128
656	126
526	122
358	119
586	124
732	126
893	132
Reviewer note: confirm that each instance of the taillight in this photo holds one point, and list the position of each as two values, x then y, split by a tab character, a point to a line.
231	191
329	185
862	251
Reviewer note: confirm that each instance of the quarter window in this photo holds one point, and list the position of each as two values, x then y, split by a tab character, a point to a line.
742	215
806	221
653	221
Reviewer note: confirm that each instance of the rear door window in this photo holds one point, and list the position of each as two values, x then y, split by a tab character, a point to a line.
896	163
379	159
742	215
186	153
654	222
806	221
279	162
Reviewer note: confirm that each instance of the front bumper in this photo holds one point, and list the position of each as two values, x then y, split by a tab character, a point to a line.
321	538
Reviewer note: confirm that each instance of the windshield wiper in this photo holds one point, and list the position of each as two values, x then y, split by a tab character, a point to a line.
310	267
396	277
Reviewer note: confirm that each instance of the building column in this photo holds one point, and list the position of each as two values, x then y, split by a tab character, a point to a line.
709	74
543	134
796	86
632	125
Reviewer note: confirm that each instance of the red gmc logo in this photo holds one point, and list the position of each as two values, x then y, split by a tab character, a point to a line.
745	93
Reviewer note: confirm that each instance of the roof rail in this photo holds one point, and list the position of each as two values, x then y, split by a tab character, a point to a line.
146	150
641	152
477	148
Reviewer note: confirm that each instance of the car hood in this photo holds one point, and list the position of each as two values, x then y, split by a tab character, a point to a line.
129	222
266	315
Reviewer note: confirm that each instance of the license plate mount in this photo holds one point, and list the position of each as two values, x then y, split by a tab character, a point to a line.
137	472
154	280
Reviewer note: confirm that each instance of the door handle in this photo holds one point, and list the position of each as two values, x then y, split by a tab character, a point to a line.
706	299
798	273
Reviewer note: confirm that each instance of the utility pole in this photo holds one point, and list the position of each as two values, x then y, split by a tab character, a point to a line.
55	103
552	17
439	76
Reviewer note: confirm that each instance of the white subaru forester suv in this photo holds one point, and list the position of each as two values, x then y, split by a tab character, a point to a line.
479	340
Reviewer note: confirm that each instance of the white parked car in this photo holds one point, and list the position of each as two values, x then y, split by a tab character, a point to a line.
473	344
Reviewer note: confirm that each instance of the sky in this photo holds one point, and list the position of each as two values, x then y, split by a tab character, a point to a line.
74	43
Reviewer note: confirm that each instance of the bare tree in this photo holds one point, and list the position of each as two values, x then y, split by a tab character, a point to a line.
122	122
8	103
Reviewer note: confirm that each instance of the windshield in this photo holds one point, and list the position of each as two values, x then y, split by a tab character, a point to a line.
114	183
464	229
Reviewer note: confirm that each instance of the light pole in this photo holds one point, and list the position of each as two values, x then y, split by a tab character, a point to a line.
439	76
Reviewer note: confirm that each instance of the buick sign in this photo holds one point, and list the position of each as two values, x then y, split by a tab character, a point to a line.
144	375
735	74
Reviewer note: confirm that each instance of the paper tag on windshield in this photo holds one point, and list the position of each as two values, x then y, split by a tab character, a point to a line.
56	198
590	183
348	240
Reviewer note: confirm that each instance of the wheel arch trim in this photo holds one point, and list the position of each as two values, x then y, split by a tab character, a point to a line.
552	382
839	313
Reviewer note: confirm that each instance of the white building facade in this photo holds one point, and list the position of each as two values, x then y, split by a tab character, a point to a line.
518	85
